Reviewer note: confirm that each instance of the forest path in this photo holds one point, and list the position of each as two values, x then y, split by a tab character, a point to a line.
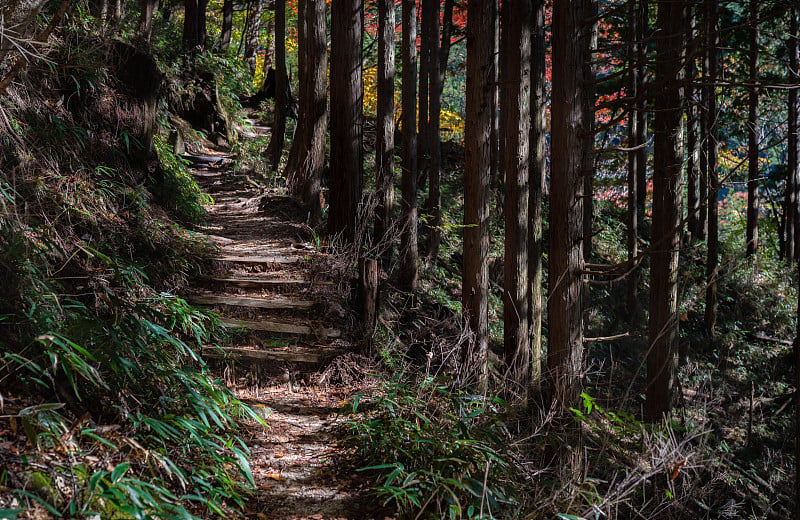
285	303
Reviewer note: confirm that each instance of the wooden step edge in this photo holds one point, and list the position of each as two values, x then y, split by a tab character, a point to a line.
259	259
288	356
279	327
255	303
258	282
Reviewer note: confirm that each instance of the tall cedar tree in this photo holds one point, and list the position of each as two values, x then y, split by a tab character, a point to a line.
227	25
751	239
278	134
194	25
292	169
587	147
433	207
516	105
537	179
477	136
693	202
146	18
712	154
347	21
409	255
565	325
634	165
252	31
384	132
643	28
790	219
667	194
423	95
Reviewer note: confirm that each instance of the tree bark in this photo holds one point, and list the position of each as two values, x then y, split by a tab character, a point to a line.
384	132
347	20
566	211
634	166
692	126
477	143
252	38
194	25
278	134
751	240
409	255
587	145
434	205
227	25
667	194
537	175
516	105
712	144
791	224
148	7
423	97
641	112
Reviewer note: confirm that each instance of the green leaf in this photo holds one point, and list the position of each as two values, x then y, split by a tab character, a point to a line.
119	471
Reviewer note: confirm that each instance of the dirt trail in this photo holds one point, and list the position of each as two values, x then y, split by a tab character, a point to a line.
286	304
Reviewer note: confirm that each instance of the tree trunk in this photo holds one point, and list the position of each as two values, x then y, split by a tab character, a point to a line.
312	156
537	174
292	169
148	7
751	240
667	193
712	262
384	132
516	105
447	33
692	125
477	144
634	166
791	224
194	25
566	260
641	113
423	97
347	20
252	38
227	25
434	205
409	256
278	134
587	145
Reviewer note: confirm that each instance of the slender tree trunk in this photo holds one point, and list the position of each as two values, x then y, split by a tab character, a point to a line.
791	224
477	143
148	7
227	25
751	241
384	144
278	134
692	126
447	33
712	262
633	166
347	21
409	256
516	104
312	152
292	169
702	216
252	38
565	323
537	175
587	145
434	206
667	194
423	97
194	25
641	112
495	179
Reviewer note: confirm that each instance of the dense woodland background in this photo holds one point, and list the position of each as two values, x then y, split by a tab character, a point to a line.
585	213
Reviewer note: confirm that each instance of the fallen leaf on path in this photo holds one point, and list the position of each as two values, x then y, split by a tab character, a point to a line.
273	476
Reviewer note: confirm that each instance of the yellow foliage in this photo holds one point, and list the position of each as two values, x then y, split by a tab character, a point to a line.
452	124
